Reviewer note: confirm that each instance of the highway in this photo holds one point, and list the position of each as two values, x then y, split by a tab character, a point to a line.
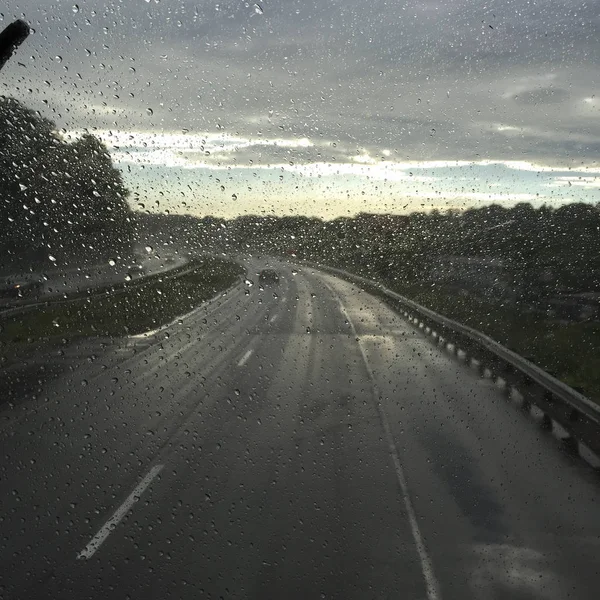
296	442
58	281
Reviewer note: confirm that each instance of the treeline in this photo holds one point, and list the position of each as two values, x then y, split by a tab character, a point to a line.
545	250
60	198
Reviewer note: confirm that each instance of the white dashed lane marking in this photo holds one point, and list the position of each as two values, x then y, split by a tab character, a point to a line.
244	358
118	515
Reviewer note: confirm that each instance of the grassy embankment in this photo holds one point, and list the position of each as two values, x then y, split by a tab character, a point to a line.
136	310
569	351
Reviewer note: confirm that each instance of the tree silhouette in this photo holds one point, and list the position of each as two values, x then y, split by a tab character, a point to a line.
60	198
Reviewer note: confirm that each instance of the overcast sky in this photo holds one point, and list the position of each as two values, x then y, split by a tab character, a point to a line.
324	107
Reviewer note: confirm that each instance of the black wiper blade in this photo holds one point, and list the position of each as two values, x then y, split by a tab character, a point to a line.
11	38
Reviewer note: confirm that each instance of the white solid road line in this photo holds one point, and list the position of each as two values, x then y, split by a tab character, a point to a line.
109	526
245	358
431	584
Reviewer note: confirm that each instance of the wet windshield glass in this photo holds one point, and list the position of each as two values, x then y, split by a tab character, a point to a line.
300	299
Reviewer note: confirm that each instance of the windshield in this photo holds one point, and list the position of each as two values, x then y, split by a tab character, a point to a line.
300	299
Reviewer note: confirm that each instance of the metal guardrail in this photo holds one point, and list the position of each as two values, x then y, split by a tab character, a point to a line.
574	418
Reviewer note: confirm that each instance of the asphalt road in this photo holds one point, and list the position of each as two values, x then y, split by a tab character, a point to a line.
300	441
58	281
144	262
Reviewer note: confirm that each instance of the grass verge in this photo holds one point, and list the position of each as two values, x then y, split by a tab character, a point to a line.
133	311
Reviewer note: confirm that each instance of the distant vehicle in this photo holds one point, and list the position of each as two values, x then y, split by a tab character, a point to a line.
20	286
268	277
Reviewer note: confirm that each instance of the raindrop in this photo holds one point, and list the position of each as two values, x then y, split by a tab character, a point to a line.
149	111
258	9
52	258
75	8
112	263
127	277
22	187
148	248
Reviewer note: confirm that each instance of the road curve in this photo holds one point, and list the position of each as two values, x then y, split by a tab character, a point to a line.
300	441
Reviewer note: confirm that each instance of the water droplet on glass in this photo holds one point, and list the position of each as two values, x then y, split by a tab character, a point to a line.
148	248
127	277
52	258
112	263
75	8
22	187
258	9
149	111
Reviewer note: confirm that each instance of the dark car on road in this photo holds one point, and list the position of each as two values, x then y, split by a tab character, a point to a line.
268	277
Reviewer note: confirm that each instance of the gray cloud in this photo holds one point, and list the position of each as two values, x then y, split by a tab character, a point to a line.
545	95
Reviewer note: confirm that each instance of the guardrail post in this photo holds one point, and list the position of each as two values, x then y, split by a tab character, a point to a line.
481	367
510	376
533	395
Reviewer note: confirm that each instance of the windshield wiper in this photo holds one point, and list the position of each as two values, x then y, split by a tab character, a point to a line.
11	38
